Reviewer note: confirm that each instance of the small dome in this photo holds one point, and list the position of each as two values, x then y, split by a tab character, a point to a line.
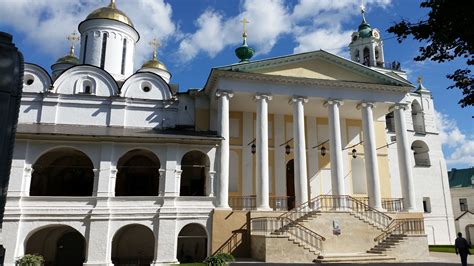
154	63
68	59
110	12
244	52
365	31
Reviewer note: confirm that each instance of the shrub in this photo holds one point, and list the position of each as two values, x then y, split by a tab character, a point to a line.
219	259
30	260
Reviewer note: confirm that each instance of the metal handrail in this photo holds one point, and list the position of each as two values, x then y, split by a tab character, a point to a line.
414	226
277	225
339	203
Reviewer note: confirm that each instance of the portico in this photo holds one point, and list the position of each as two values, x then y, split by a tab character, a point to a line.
337	114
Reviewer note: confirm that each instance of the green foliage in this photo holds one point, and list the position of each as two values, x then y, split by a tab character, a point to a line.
445	248
447	35
219	259
30	260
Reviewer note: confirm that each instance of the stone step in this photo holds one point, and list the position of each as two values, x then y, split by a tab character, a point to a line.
358	257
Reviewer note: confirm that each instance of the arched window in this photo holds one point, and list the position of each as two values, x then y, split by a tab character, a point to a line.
133	245
138	174
417	117
62	172
421	153
195	167
366	56
390	122
59	245
192	244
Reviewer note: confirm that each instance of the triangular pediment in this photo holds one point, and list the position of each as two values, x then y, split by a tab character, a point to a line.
319	65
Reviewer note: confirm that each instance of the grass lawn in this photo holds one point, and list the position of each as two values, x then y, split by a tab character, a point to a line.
445	248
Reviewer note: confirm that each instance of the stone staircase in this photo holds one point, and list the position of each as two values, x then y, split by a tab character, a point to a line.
387	244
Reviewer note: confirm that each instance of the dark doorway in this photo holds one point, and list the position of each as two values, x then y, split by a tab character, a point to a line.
290	183
138	174
133	245
62	172
59	245
195	167
70	250
192	244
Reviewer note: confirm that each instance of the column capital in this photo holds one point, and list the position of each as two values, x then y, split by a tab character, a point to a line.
263	96
224	93
297	98
365	105
96	171
333	101
178	172
398	106
161	171
212	173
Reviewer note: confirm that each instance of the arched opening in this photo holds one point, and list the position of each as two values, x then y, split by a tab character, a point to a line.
359	180
470	233
390	122
357	56
59	245
195	167
421	153
290	183
417	117
138	174
62	172
192	244
366	56
133	245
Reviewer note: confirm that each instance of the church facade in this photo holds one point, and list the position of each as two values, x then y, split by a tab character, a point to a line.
113	166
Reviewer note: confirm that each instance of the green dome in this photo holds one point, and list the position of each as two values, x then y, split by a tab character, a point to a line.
365	31
244	52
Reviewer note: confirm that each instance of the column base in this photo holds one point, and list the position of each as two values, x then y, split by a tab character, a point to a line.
264	209
222	208
410	210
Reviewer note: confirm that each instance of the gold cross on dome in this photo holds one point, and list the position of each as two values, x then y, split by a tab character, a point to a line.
362	9
73	38
155	44
245	22
419	79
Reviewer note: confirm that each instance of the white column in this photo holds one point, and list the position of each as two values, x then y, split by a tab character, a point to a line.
301	175
161	182
370	154
335	147
223	98
263	191
404	163
212	174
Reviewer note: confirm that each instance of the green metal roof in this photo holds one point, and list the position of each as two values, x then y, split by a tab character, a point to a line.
461	177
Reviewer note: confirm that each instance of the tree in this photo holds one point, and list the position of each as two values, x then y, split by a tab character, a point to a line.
448	33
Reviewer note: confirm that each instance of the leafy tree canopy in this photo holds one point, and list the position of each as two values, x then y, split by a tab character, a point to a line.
449	34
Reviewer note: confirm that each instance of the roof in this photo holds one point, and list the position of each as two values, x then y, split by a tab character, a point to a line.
149	134
461	177
249	66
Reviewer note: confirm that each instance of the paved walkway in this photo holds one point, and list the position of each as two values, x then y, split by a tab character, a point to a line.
435	258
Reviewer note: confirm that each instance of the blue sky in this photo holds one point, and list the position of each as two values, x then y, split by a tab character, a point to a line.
197	35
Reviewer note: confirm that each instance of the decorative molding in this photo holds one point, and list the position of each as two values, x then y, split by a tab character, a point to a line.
365	105
333	101
298	98
224	93
263	96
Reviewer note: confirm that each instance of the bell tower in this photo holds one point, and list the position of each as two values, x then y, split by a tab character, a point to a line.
366	46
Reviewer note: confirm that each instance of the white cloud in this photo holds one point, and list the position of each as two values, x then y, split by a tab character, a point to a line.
46	23
313	24
459	148
214	32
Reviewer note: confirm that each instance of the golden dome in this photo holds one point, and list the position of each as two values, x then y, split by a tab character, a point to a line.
110	12
69	59
154	63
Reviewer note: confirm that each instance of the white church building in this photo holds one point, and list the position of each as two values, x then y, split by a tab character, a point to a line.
280	159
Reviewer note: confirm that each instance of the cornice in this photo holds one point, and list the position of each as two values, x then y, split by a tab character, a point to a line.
303	81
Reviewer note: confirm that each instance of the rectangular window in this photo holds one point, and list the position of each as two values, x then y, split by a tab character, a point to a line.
463	204
104	50
124	54
426	205
85	51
